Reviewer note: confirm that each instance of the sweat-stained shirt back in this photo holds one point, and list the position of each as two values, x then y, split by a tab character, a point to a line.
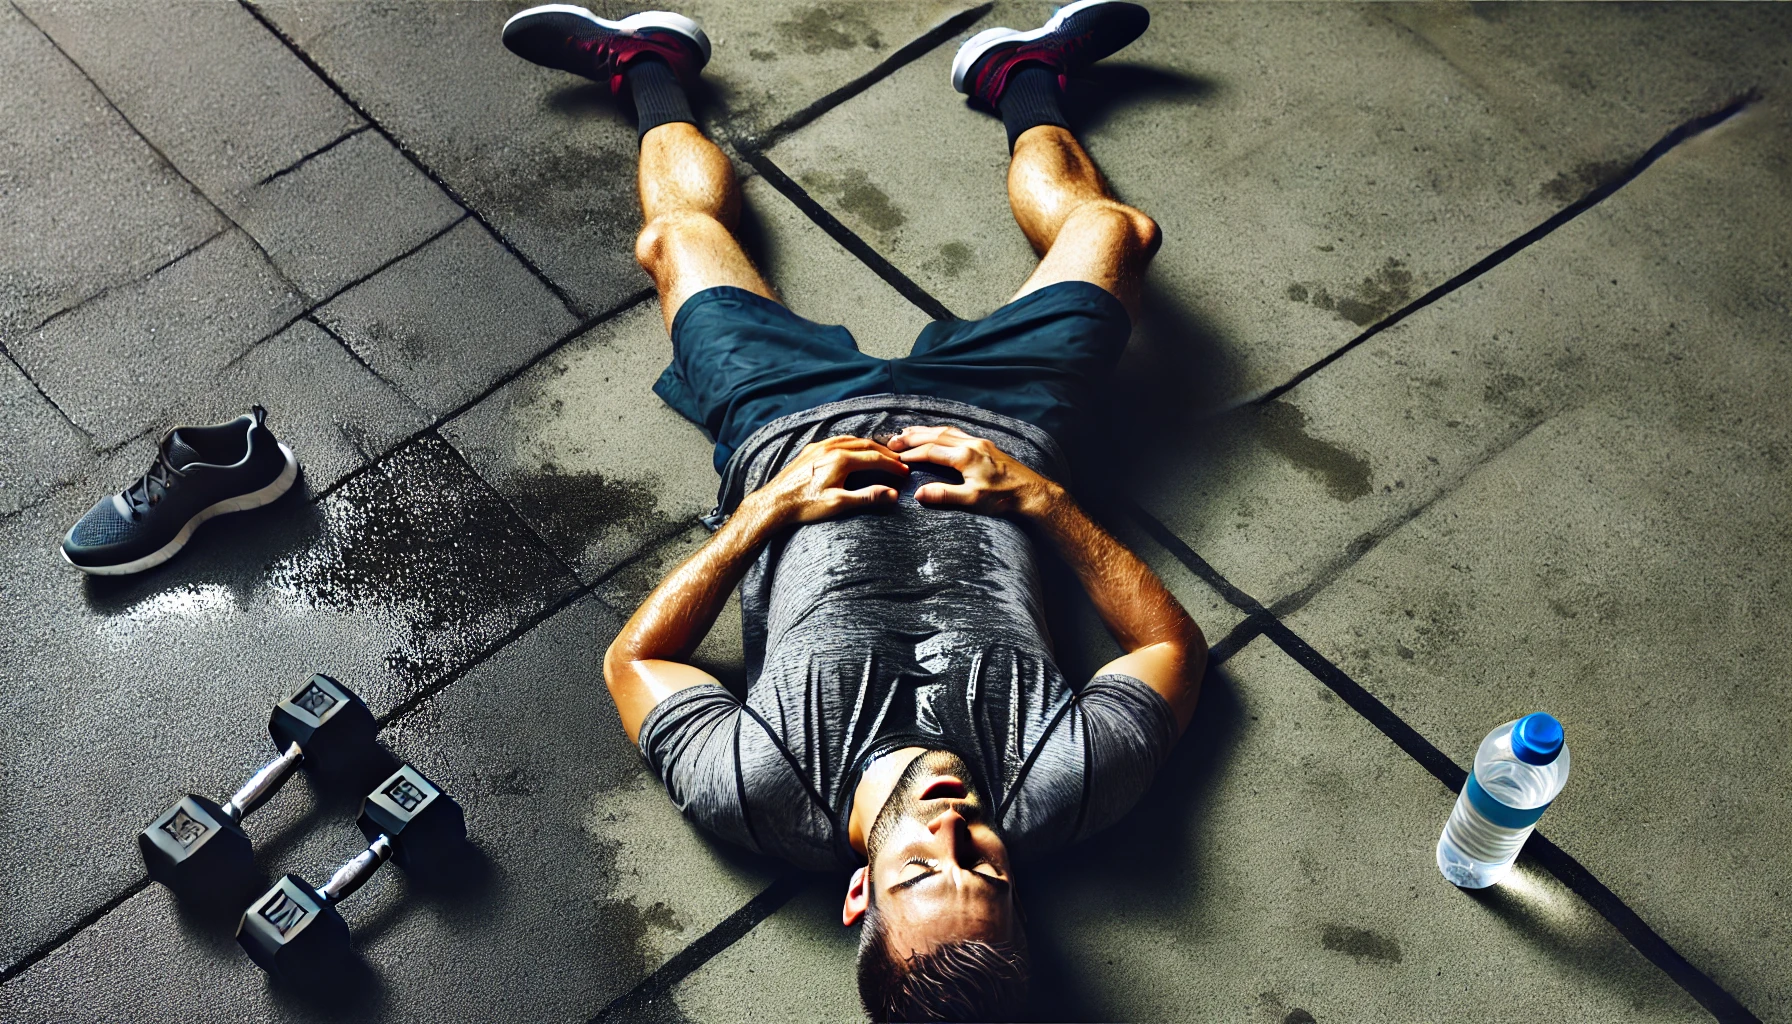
912	626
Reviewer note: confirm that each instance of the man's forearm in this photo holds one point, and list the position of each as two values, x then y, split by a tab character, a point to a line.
1134	604
679	613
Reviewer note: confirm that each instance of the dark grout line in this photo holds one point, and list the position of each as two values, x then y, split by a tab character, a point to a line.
314	154
912	51
1685	131
87	920
45	395
1236	639
624	306
516	513
416	161
311	318
312	306
1709	994
1567	869
635	1003
851	242
109	289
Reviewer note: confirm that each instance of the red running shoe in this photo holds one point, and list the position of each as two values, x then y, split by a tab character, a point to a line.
1076	37
569	38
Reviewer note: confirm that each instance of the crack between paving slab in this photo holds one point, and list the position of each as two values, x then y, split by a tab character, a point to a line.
416	161
1709	994
627	304
1682	133
658	985
45	395
1359	549
845	236
314	154
88	920
157	150
312	308
912	51
109	289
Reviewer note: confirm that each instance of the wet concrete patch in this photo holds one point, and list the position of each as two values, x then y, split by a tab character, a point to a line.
421	539
1373	298
1346	475
853	191
1360	943
831	26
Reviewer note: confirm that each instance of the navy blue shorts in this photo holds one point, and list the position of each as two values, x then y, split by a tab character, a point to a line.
740	361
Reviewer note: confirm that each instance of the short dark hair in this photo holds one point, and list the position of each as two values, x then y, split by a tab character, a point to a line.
955	981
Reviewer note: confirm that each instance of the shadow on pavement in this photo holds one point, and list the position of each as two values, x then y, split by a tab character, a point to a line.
1142	864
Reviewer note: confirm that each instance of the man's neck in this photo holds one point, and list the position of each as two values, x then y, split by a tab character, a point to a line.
873	791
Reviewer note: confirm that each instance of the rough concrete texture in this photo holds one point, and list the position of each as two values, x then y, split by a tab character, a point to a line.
322	403
395	580
448	321
115	362
581	863
88	204
1282	866
1561	486
342	213
43	449
224	124
1623	561
547	157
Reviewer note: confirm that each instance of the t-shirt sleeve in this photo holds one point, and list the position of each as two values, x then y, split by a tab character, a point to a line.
1128	731
692	741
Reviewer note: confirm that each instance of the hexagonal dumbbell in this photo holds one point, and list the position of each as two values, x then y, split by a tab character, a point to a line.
294	932
198	848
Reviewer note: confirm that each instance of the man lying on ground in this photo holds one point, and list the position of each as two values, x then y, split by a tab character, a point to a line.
903	717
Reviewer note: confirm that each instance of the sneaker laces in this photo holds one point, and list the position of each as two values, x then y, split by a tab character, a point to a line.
153	485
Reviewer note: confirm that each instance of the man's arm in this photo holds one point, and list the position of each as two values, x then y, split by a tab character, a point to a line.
1164	648
646	663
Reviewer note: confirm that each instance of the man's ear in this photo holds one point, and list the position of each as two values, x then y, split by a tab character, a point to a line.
858	897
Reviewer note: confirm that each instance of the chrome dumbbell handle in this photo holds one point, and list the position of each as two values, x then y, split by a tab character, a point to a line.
264	784
355	873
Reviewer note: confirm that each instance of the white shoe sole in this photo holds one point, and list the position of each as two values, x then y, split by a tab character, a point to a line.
979	44
240	503
646	19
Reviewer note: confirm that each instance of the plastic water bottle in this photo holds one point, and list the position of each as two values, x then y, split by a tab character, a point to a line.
1519	769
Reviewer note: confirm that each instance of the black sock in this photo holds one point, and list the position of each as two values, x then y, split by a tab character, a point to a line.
1031	98
659	99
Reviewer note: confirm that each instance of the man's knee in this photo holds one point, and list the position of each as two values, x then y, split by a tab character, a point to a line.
662	237
1130	227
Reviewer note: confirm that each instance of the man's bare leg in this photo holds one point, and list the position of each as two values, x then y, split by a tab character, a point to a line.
1065	208
691	204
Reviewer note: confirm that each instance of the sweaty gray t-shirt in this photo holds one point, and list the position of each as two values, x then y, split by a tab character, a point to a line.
912	626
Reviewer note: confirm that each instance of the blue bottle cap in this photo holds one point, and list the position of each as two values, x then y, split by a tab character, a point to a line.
1537	739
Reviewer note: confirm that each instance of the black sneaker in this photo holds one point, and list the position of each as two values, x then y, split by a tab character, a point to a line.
199	473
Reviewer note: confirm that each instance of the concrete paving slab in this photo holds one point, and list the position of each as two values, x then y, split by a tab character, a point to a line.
1587	82
589	455
334	414
796	965
594	459
114	363
589	879
448	321
546	157
1306	197
1622	561
344	212
88	205
1280	871
142	687
43	449
226	114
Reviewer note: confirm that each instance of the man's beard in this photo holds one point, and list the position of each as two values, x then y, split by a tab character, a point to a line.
905	800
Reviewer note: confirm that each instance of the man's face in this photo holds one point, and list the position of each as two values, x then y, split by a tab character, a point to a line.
939	869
